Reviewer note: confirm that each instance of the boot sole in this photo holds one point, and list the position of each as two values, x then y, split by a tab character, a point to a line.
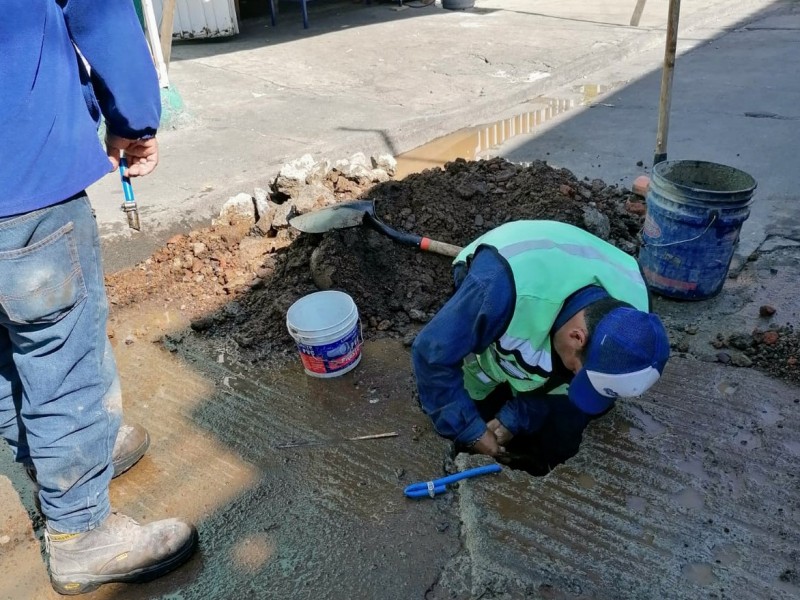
124	464
85	583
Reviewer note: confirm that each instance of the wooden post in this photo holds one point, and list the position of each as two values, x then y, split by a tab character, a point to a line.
666	82
637	12
165	29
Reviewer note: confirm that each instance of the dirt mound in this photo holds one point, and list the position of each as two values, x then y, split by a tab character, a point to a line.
397	289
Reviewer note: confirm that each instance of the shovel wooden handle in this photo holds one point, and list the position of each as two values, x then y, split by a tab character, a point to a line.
443	248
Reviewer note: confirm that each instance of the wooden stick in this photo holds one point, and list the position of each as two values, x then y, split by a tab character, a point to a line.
165	30
376	436
666	82
637	12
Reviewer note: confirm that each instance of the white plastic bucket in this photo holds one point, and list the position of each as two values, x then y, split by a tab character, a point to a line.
326	329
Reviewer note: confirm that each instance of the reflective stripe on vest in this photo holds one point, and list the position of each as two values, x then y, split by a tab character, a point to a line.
513	250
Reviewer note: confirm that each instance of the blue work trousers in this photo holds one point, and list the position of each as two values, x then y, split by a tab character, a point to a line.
60	399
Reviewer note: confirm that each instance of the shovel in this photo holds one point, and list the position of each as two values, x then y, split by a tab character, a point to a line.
362	212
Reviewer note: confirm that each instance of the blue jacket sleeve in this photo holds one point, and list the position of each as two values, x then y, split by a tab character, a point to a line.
123	76
474	317
524	413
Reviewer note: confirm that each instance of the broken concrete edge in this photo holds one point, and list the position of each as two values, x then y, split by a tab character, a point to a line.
303	185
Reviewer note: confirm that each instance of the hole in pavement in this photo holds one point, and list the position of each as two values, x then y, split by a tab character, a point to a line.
557	439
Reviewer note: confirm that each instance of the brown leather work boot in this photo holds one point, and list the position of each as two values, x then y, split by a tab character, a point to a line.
131	444
119	550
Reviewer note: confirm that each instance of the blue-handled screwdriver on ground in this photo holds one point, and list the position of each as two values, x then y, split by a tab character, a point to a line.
129	206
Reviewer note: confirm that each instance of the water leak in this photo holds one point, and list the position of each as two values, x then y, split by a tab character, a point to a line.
471	142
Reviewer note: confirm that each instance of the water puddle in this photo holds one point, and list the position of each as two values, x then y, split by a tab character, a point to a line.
694	467
647	426
471	142
689	499
725	554
636	504
699	573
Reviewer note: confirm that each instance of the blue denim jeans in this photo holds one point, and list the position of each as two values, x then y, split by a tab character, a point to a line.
60	400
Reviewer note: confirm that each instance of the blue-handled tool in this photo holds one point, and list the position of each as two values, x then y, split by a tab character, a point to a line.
430	489
129	206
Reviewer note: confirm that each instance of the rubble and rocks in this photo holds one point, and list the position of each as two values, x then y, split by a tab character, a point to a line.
775	351
396	289
264	265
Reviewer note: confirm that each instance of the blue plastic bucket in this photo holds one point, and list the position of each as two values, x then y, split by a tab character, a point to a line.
695	211
325	327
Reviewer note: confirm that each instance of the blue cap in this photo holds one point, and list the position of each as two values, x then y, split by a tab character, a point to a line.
627	353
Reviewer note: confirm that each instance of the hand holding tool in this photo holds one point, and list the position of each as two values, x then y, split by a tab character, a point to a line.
439	486
129	206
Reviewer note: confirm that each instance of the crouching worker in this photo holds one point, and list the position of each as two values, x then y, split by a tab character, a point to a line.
548	326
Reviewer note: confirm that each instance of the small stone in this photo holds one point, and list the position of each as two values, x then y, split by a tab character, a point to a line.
724	358
408	339
399	473
384	325
641	185
635	208
791	361
770	338
479	221
766	310
175	240
202	323
682	346
740	360
129	340
442	527
4	540
691	329
239	208
199	249
566	190
585	192
639	163
387	162
418	315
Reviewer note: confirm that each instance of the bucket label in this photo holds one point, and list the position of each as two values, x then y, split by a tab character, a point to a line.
651	228
334	356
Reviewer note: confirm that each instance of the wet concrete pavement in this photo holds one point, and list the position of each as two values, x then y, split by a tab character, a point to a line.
691	492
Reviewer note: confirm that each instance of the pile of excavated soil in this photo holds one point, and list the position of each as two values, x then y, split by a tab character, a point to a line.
397	289
237	284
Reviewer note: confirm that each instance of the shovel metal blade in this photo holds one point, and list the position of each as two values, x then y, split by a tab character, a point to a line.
338	216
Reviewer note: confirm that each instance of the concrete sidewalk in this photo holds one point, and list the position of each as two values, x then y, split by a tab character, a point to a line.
367	78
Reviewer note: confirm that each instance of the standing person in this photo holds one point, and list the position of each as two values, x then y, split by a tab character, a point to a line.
540	308
60	402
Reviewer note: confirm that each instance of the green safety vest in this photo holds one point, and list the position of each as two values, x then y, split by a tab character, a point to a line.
549	262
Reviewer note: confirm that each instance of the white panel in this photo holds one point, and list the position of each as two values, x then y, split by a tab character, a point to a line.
202	18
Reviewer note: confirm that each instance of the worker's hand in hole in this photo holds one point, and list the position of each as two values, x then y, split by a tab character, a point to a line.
502	434
487	444
142	155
